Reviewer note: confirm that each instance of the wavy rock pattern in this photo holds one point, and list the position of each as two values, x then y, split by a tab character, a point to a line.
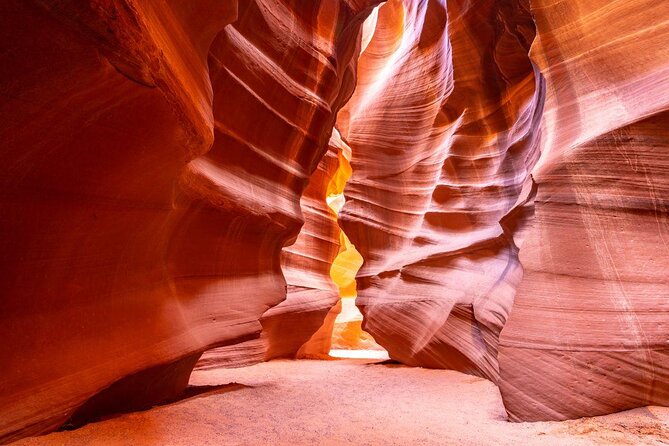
437	164
311	294
154	162
341	264
306	265
445	179
589	330
302	325
160	156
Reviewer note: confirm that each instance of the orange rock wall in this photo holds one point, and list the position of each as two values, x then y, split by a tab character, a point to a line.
458	137
301	325
443	130
306	265
154	157
508	194
589	330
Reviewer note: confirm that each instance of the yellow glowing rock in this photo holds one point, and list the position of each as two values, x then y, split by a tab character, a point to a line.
348	261
348	333
345	267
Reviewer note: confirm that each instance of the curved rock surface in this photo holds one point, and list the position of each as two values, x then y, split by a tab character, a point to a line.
589	330
154	160
306	265
302	325
508	195
437	163
446	176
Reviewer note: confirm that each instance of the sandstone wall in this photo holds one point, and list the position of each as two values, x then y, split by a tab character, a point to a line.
154	155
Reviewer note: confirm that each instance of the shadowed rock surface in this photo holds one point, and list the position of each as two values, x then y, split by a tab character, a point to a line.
154	157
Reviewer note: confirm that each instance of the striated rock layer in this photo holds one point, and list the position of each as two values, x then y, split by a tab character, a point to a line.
448	171
306	265
160	156
302	325
443	130
589	330
154	160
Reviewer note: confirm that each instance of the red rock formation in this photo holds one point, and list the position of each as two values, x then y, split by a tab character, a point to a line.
436	208
589	330
311	294
341	264
306	265
443	133
153	165
92	148
307	315
155	154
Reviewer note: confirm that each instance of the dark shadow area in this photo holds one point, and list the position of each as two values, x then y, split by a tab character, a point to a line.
194	392
190	393
391	363
157	386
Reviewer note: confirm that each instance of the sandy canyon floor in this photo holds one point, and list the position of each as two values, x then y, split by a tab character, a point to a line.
350	401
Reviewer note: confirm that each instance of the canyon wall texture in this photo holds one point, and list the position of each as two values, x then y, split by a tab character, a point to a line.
306	265
508	195
448	172
589	329
154	156
310	294
437	163
302	324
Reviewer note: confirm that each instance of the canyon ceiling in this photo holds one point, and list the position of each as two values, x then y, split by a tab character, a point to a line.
167	165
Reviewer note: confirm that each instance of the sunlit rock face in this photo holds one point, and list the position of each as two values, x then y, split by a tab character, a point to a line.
154	155
448	171
443	130
346	261
589	329
311	294
302	325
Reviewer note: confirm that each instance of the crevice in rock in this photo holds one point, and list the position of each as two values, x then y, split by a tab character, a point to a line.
349	339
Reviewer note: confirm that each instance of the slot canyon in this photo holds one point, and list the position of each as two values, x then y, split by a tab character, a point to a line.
334	222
